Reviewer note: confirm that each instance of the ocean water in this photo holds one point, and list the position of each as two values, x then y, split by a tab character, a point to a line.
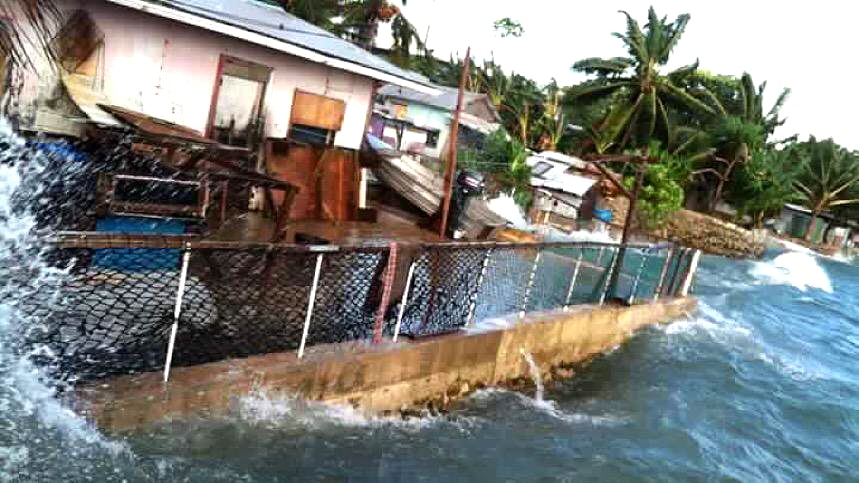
761	384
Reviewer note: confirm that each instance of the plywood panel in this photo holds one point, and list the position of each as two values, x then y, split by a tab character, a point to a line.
317	111
328	181
296	165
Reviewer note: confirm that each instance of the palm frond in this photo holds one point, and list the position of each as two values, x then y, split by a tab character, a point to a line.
604	67
634	39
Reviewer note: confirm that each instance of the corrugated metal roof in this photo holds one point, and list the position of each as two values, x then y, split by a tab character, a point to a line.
272	22
566	183
446	100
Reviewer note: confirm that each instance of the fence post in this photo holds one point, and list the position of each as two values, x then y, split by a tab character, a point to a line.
310	302
573	280
473	305
690	273
635	283
405	301
177	310
388	281
670	288
530	283
663	273
609	276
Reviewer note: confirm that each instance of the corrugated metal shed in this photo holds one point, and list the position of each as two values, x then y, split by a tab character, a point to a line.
272	22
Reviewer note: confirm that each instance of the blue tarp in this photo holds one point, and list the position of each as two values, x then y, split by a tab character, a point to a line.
138	259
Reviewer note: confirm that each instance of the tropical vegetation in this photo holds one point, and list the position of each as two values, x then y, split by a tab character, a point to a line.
711	135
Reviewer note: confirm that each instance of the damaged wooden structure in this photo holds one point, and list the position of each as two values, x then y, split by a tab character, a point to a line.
228	94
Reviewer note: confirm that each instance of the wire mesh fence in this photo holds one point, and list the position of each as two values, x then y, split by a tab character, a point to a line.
112	306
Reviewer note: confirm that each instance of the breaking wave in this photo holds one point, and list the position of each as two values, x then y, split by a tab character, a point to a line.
30	410
796	269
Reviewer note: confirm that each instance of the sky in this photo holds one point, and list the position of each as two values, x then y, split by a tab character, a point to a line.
807	46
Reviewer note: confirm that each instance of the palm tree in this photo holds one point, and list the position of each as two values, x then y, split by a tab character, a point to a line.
641	95
829	176
553	121
742	130
356	20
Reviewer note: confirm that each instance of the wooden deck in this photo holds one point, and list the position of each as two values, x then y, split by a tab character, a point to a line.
253	227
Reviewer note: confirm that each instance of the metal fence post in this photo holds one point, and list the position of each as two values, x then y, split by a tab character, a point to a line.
177	310
573	280
530	283
637	280
473	305
663	274
610	275
690	273
670	288
310	302
404	302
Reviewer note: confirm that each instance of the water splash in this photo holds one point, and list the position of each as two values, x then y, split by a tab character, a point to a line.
505	206
287	411
35	427
797	269
534	369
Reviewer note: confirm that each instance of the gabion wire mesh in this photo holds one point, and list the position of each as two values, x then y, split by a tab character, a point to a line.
109	311
502	292
443	287
240	303
348	296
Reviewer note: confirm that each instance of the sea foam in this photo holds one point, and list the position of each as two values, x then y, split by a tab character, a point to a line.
797	269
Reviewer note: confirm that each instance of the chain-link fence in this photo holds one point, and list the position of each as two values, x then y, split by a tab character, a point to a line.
118	306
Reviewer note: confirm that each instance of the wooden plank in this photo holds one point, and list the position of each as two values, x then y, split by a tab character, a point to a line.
317	111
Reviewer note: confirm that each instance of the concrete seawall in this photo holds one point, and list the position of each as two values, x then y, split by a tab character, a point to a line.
379	379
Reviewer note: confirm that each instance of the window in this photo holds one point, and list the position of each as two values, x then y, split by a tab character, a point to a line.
540	169
432	139
315	119
315	136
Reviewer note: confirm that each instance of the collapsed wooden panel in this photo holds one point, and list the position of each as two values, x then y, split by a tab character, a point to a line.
317	111
328	180
77	40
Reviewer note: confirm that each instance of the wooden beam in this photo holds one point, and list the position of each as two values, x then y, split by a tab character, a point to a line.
450	172
283	215
613	180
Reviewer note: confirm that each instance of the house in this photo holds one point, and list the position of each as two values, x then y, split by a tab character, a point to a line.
292	98
419	123
561	198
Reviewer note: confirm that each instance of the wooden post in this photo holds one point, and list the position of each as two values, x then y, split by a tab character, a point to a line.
388	283
450	170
